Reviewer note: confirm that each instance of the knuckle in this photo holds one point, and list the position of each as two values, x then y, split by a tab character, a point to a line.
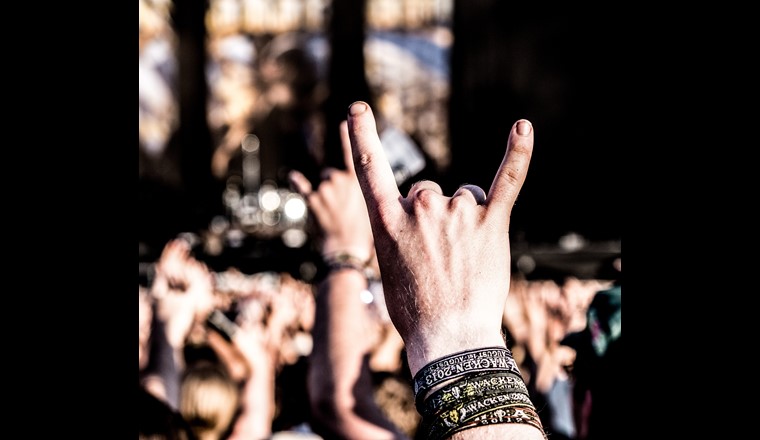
424	197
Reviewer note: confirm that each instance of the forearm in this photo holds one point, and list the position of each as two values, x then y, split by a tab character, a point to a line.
257	404
162	375
339	378
238	369
537	341
387	354
546	370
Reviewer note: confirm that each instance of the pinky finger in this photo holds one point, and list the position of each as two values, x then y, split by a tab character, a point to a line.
300	183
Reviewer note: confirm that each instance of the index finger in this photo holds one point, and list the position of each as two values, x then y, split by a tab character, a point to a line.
514	167
345	142
372	169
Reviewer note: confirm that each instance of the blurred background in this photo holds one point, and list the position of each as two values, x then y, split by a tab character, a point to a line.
236	93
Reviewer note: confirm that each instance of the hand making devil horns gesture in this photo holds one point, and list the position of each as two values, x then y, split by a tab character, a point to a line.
445	267
445	261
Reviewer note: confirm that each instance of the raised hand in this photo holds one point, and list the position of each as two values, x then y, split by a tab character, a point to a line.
444	261
183	289
339	207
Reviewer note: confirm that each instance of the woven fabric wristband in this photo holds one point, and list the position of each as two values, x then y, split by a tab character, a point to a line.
467	362
445	427
477	387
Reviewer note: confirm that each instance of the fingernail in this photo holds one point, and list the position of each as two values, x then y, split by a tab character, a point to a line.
357	108
523	127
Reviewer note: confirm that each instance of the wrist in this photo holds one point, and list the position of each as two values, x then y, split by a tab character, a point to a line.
346	261
333	249
472	388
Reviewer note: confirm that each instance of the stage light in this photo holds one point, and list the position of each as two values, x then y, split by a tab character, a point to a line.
295	208
263	210
268	198
294	238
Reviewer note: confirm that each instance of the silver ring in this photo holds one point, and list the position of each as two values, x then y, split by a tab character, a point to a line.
476	191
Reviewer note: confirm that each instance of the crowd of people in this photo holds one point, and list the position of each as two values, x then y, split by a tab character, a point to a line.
417	329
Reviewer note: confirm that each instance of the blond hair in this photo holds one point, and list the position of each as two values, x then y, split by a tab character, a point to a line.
209	400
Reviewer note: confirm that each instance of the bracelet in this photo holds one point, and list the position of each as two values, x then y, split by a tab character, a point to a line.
454	406
478	386
489	359
444	427
344	260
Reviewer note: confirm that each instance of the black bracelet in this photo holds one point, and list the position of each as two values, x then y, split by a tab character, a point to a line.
444	427
489	359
